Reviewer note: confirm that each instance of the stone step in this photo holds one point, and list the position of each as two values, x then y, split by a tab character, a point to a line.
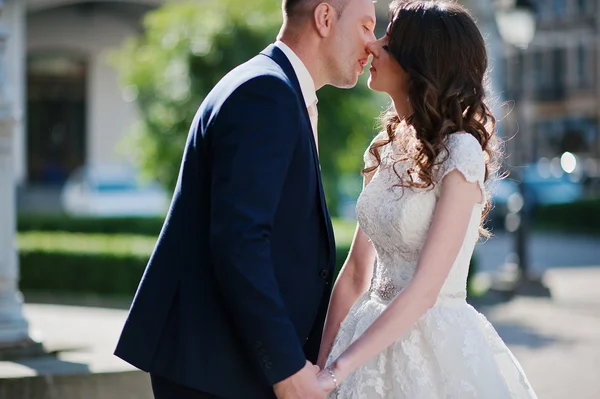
80	341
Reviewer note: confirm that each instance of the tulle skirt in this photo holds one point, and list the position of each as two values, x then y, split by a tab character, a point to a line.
452	352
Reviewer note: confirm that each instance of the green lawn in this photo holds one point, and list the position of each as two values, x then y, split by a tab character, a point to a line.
123	244
78	243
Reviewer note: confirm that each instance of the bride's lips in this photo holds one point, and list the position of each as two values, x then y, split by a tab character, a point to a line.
372	69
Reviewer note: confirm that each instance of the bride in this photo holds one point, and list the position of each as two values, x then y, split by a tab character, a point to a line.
398	325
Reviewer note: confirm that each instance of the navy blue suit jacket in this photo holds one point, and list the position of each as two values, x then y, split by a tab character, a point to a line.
234	297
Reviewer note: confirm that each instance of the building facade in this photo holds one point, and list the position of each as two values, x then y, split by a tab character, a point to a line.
69	106
555	84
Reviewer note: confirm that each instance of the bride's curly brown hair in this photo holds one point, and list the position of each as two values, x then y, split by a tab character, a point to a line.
444	55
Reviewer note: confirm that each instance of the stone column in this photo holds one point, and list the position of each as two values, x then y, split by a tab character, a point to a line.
594	49
15	23
15	340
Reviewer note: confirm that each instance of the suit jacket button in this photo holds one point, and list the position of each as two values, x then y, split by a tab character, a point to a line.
324	274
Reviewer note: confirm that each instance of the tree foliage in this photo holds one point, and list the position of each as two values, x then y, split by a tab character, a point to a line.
184	51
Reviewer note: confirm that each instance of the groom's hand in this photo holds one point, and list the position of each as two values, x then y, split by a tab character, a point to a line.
302	385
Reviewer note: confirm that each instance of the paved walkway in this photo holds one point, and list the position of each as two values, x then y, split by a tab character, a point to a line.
557	340
546	250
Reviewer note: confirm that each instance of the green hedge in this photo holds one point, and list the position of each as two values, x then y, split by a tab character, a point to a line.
133	225
110	264
63	272
78	272
82	263
582	216
102	273
79	262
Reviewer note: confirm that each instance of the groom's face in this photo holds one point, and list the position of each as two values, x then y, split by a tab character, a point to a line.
347	53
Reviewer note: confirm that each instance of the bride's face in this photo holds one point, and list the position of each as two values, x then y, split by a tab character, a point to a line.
386	74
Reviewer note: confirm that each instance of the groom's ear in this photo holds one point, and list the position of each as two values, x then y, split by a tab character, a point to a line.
324	17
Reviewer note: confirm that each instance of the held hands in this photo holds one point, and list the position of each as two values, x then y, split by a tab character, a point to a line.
326	381
302	385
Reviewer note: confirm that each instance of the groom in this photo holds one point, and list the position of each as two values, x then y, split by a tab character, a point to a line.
233	300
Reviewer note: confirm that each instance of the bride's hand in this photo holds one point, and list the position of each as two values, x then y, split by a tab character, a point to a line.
325	381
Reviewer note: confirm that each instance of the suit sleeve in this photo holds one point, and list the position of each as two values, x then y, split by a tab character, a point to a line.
251	150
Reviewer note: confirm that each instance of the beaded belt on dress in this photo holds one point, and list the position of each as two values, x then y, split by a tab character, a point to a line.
385	289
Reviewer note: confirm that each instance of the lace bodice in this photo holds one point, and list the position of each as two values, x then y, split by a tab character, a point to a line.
397	219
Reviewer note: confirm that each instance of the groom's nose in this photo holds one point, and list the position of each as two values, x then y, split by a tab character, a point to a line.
371	47
372	37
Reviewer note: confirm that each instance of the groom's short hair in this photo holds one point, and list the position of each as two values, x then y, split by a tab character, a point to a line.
298	8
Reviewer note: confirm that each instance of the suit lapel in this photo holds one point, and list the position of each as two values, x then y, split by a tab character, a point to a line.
279	57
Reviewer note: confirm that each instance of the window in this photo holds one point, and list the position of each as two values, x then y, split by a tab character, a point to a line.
558	71
582	66
544	9
559	8
515	74
504	73
56	112
541	72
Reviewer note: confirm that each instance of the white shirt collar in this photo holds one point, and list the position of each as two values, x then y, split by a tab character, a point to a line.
307	84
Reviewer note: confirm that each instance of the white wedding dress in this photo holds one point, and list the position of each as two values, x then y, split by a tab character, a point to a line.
452	351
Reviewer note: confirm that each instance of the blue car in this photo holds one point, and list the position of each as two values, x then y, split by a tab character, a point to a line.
546	189
540	187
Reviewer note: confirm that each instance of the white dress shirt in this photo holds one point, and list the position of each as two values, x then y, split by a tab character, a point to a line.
307	85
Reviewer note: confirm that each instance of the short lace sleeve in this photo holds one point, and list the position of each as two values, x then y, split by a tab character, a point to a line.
466	156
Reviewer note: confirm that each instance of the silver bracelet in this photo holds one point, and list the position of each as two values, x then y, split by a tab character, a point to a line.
337	387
